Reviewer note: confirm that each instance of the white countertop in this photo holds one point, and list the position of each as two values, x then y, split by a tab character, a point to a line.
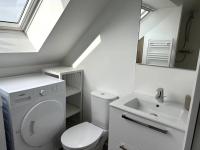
179	123
24	82
61	70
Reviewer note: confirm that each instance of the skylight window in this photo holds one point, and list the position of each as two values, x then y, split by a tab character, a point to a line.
27	24
145	10
16	14
12	10
144	13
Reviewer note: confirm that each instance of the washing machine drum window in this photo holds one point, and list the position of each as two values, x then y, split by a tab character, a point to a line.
43	123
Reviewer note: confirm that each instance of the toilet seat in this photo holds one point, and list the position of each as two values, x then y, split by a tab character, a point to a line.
81	136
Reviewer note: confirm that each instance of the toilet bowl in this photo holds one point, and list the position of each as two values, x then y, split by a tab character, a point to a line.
90	136
84	136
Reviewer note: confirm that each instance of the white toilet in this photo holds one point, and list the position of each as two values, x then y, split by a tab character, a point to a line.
90	136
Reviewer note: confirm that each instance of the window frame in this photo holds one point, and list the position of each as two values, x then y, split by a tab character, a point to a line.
144	14
26	16
148	9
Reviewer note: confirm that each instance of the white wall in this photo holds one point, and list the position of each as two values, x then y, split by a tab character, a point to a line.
177	83
110	66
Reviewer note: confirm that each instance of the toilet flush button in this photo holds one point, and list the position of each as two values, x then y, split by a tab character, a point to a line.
43	93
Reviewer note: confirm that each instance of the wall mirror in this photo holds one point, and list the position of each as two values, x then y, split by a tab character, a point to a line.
169	33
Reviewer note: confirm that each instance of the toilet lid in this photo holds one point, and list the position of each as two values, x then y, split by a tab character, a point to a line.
81	136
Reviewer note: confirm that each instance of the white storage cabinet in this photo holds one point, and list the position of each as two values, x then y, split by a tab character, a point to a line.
74	87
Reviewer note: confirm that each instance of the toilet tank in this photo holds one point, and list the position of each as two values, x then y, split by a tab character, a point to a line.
100	108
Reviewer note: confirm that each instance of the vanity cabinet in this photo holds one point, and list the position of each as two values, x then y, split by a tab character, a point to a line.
131	132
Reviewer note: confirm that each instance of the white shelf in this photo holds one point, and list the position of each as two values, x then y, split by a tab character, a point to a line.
71	110
61	70
72	91
74	85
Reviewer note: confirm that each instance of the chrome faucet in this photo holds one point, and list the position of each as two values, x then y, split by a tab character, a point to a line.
160	95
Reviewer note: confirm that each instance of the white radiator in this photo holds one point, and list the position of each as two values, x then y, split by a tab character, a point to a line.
159	52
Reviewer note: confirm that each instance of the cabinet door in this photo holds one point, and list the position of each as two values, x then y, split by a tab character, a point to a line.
128	135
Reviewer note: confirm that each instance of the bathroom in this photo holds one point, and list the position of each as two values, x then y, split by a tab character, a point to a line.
102	45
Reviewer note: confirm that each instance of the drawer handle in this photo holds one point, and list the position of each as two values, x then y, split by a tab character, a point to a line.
145	125
122	147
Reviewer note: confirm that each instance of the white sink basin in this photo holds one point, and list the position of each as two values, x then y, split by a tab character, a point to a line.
143	106
170	113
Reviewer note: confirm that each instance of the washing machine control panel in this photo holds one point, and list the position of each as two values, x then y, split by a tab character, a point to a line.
43	92
23	97
47	90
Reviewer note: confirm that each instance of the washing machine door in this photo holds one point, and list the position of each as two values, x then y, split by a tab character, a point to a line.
43	123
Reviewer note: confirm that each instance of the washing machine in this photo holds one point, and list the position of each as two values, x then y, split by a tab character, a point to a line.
34	111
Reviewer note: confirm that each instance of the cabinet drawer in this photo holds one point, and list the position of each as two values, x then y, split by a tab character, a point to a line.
137	133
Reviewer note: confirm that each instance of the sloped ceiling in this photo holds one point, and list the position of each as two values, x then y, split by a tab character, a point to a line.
75	20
